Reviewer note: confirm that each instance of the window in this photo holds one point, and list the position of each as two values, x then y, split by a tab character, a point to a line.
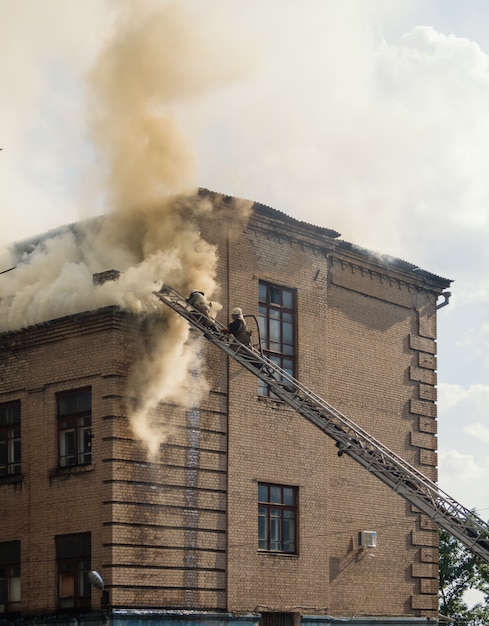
9	576
277	518
75	427
276	317
73	558
9	438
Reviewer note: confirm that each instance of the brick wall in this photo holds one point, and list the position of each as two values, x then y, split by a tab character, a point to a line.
181	532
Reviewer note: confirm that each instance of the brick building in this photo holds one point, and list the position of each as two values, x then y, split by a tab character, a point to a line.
248	512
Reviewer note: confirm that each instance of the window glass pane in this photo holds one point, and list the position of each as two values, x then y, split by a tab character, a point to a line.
274	331
288	495
83	401
288	366
262	292
66	405
85	436
275	534
287	299
263	330
14	589
275	494
9	414
73	546
75	402
289	534
83	584
67	447
16	450
263	493
262	528
275	296
288	334
9	552
66	585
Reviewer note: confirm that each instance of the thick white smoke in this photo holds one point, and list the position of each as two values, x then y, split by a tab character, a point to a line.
147	173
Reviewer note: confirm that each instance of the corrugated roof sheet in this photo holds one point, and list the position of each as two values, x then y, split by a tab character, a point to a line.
371	255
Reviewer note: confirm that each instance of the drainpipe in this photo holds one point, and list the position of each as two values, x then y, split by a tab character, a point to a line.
446	295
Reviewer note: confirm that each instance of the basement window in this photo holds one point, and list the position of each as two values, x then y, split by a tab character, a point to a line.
74	414
277	518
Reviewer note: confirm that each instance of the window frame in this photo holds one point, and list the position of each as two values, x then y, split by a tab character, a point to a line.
11	438
73	563
10	581
277	318
74	428
275	518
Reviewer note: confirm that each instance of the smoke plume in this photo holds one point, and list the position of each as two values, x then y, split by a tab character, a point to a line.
147	174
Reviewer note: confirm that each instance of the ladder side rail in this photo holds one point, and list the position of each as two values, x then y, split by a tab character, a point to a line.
390	464
252	360
391	469
448	513
268	369
368	444
401	464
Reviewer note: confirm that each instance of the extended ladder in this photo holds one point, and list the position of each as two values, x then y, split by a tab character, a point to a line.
350	439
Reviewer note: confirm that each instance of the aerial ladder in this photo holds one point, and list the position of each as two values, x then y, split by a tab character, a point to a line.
391	469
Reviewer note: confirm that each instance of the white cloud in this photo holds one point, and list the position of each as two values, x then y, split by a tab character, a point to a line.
478	431
475	398
463	438
465	479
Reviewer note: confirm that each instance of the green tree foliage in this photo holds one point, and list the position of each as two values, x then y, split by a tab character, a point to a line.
460	571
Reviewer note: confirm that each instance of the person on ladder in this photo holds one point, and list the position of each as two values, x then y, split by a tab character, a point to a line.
197	300
237	327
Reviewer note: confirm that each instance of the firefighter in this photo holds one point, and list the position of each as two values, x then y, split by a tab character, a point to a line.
198	301
237	327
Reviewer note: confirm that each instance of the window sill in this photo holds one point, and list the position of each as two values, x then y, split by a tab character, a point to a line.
11	479
63	473
273	554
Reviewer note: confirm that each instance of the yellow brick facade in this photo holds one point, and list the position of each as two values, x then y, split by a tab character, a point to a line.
181	533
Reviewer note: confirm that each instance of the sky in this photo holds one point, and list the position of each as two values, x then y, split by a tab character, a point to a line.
370	117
